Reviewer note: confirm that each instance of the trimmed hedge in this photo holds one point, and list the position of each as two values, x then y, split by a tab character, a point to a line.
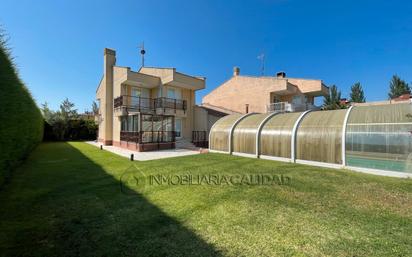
21	122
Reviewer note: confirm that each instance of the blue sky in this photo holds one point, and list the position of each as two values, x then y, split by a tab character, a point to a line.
58	45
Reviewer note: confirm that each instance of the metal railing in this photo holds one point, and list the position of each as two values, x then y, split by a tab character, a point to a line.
138	103
170	103
289	107
200	139
130	136
148	136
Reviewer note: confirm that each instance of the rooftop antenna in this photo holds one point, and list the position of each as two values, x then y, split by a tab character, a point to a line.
142	52
261	57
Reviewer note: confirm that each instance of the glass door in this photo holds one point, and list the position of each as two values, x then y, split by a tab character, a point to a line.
136	93
178	128
174	93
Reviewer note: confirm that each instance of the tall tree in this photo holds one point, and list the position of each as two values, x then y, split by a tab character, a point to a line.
48	114
332	101
67	110
357	95
398	87
66	113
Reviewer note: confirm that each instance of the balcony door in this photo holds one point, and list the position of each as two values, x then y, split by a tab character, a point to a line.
297	99
276	99
135	93
140	97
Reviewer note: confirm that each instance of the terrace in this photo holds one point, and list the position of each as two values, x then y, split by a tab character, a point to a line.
125	103
290	107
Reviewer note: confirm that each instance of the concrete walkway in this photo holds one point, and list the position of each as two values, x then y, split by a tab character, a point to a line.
146	156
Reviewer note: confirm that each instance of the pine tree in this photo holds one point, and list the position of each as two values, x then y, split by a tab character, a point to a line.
49	115
398	87
67	110
332	101
357	95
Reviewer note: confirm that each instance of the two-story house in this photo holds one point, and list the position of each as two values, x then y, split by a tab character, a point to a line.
263	94
144	110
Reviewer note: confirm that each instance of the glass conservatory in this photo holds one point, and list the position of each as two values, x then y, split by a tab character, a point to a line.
362	137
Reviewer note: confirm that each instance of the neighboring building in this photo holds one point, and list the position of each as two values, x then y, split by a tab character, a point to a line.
87	116
245	94
147	109
399	100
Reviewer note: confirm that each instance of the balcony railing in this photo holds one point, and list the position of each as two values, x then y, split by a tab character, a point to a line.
289	107
145	104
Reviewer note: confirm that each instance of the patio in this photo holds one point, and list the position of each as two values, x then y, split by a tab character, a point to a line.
146	156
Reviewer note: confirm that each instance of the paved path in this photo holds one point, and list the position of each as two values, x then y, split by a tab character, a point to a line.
146	156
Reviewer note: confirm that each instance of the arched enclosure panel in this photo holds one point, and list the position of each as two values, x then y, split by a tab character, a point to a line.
244	134
219	135
319	137
276	135
380	137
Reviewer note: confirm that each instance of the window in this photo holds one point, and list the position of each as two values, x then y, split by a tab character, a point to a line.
308	100
171	93
178	127
297	99
156	128
174	93
140	98
124	123
136	93
130	123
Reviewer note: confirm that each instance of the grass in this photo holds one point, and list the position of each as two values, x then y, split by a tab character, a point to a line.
65	200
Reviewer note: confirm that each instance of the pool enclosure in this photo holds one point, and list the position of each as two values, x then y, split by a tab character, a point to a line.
375	139
380	137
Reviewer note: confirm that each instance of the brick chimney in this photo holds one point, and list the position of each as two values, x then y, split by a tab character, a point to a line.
281	74
107	101
236	71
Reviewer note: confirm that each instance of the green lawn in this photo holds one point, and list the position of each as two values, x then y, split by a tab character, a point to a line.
66	200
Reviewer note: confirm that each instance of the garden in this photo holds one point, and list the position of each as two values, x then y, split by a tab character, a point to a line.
73	199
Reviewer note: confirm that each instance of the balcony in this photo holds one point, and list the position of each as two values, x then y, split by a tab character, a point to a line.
149	105
290	107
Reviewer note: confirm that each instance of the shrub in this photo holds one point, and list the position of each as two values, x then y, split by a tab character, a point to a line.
21	123
74	129
67	124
